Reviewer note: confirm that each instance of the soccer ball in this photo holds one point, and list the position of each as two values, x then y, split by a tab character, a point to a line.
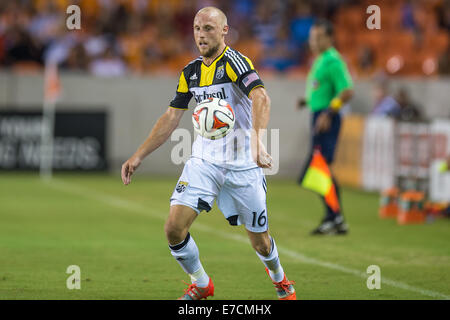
213	118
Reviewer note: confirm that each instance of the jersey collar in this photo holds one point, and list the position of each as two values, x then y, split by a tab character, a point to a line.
216	59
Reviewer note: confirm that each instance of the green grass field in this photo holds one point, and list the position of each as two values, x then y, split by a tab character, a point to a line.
114	233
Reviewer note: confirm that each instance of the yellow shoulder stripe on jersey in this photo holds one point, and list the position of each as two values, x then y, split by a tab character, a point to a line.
207	72
230	72
249	62
182	84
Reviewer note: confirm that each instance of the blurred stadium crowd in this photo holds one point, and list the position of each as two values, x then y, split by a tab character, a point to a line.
141	36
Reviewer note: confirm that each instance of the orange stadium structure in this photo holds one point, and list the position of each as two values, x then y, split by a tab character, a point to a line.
153	36
411	208
389	203
396	49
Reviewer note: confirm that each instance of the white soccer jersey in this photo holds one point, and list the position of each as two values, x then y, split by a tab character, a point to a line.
231	76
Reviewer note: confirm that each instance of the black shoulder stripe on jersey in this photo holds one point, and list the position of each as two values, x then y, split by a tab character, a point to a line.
240	57
193	61
191	66
239	64
192	72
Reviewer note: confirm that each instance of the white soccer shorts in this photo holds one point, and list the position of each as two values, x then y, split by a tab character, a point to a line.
241	195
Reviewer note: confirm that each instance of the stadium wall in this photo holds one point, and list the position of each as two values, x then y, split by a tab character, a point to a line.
134	103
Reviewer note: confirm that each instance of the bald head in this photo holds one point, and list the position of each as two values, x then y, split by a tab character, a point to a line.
215	14
210	28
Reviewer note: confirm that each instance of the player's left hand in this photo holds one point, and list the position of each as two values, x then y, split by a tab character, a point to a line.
323	122
261	157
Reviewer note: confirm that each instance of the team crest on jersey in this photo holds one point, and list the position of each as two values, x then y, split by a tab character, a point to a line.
220	72
181	186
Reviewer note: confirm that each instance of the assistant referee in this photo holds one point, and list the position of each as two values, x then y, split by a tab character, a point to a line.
328	87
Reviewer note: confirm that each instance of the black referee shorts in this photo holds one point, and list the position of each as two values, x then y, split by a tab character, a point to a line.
326	142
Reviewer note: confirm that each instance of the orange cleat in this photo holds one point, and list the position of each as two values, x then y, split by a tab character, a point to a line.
285	288
193	292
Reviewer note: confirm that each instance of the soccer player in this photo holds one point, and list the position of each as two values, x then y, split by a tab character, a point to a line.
237	182
328	87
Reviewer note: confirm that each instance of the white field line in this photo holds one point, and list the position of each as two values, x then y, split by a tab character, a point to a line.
128	205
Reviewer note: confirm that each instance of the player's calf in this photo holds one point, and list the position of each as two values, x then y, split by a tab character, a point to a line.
184	249
271	260
266	250
262	246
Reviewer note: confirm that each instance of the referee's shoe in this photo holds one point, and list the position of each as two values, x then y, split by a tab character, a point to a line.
334	226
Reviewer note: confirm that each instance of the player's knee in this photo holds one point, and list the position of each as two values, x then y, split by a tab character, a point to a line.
174	232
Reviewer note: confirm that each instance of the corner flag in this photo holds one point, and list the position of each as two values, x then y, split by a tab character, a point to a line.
52	85
52	91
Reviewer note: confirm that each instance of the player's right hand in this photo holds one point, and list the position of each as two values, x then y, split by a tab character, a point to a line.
128	169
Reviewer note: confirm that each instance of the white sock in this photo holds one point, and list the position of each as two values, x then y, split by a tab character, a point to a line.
272	262
200	278
187	255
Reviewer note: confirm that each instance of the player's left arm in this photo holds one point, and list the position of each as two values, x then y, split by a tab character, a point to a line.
260	115
242	72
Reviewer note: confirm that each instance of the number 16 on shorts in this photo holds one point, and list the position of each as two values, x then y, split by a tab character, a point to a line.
260	219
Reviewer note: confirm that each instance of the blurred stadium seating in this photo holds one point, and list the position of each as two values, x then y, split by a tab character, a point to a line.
145	36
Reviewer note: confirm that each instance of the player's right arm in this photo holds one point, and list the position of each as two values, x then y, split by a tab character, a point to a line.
161	131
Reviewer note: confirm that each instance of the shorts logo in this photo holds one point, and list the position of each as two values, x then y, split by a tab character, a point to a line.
181	186
220	72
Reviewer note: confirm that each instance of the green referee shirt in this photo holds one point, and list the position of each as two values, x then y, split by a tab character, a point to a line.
327	78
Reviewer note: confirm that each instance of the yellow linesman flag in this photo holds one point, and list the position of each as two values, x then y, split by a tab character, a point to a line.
317	177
